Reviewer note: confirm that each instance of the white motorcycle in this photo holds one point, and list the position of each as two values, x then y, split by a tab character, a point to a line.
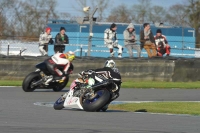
84	94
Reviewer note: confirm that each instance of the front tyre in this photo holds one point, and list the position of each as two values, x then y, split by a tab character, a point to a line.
58	105
96	103
29	80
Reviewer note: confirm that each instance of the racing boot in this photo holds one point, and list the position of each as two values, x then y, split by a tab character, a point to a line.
62	80
119	55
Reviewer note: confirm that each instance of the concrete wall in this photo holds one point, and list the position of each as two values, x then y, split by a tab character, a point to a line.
143	69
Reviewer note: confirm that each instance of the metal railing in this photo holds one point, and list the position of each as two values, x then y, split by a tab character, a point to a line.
20	48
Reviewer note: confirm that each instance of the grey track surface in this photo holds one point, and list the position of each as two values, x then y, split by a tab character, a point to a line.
18	114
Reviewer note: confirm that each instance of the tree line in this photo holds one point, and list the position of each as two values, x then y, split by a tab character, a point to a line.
27	18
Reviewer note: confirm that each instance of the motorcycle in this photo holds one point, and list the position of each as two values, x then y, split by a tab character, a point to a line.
37	79
85	95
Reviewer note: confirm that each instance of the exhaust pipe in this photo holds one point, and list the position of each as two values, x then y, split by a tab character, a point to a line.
37	83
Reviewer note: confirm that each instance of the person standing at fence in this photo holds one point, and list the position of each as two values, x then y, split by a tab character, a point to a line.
60	40
44	40
110	40
147	40
161	43
130	40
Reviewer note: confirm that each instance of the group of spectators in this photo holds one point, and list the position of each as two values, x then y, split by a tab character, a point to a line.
154	45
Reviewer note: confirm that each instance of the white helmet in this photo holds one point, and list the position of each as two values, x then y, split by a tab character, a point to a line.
109	63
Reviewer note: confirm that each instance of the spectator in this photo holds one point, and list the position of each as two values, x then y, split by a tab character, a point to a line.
44	40
130	40
110	40
161	43
147	40
61	39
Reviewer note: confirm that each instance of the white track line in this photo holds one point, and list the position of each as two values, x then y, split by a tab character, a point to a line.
50	104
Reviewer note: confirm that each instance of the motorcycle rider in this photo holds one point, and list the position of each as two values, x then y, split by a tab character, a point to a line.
161	43
58	65
109	71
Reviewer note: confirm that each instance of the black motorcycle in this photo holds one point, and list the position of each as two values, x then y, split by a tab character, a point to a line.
88	96
37	79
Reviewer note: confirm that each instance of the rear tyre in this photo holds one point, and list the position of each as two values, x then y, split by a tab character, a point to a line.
29	79
95	104
60	86
59	104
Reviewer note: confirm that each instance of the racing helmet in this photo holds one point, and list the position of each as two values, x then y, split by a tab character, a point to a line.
109	63
70	56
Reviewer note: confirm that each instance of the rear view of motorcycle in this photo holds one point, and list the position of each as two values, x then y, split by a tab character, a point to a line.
37	79
87	95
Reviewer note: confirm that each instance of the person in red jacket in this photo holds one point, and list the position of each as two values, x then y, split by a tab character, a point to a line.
161	44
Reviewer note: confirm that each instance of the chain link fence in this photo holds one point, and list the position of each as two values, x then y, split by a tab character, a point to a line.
181	40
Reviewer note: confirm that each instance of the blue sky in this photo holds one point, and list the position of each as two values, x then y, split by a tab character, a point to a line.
68	5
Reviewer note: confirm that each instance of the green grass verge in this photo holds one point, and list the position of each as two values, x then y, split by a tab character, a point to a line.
130	84
160	84
191	108
10	83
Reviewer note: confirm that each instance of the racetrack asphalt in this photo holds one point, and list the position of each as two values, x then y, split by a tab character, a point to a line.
18	114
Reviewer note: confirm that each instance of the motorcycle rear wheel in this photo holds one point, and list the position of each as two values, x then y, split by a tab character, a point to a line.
95	104
32	77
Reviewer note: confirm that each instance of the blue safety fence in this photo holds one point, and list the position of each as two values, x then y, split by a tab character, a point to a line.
181	40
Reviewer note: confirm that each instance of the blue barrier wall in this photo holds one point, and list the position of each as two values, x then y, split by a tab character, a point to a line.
181	39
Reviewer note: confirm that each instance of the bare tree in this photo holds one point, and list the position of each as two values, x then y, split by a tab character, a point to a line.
28	18
157	14
80	5
141	11
120	14
64	15
5	15
193	11
102	6
177	15
2	24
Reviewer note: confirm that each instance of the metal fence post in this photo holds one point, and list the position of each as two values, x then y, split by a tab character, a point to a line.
8	50
91	34
81	51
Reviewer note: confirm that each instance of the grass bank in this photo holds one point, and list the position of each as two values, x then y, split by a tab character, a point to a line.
130	84
191	108
10	83
160	84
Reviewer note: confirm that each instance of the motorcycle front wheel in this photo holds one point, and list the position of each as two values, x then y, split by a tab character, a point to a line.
101	99
58	105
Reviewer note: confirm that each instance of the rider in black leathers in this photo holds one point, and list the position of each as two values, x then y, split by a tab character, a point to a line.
109	71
